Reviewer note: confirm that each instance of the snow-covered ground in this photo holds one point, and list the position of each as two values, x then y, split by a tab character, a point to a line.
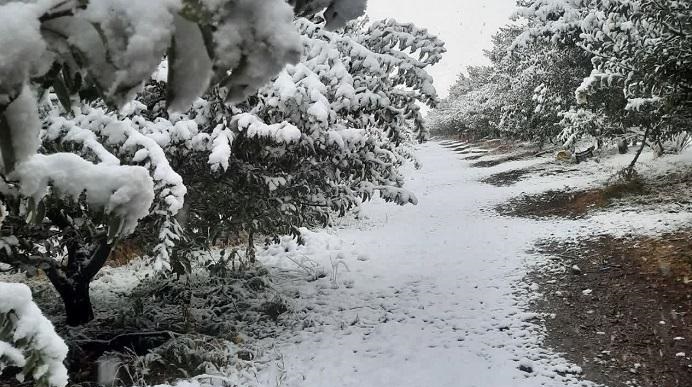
426	295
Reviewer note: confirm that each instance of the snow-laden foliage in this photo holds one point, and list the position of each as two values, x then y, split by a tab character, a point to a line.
325	135
640	47
117	141
300	144
622	63
84	176
109	48
472	106
28	340
521	94
337	12
644	40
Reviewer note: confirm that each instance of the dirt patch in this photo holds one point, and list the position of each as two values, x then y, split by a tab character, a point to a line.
511	177
558	171
622	307
570	204
125	252
672	188
504	179
493	147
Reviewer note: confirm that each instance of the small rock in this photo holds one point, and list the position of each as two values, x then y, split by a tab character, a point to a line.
586	292
576	270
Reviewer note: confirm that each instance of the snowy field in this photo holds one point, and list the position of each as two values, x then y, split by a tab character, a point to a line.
425	295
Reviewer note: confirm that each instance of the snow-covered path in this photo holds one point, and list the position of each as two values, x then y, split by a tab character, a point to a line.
433	295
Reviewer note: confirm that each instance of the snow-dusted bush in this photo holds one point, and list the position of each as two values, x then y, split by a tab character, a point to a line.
87	177
28	340
639	48
473	106
592	67
521	94
325	135
209	321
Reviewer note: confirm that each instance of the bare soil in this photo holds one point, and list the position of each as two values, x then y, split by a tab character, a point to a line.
622	307
511	177
570	204
504	179
125	252
666	193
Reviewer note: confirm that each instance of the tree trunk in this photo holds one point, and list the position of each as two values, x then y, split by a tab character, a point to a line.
6	148
250	253
183	215
72	281
622	146
630	170
78	308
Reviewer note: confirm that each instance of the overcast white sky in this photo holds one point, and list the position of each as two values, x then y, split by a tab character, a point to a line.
465	25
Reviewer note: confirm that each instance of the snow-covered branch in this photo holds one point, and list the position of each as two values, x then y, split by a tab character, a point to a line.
28	340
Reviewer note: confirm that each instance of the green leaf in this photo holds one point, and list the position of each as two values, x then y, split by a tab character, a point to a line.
31	363
63	93
77	83
67	77
6	327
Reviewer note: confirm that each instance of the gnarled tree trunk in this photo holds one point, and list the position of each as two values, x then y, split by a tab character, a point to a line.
6	148
72	281
629	171
78	308
251	252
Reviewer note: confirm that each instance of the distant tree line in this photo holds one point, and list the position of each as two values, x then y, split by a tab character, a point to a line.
567	70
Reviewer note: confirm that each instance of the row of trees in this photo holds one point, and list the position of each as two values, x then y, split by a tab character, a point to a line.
255	122
567	69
